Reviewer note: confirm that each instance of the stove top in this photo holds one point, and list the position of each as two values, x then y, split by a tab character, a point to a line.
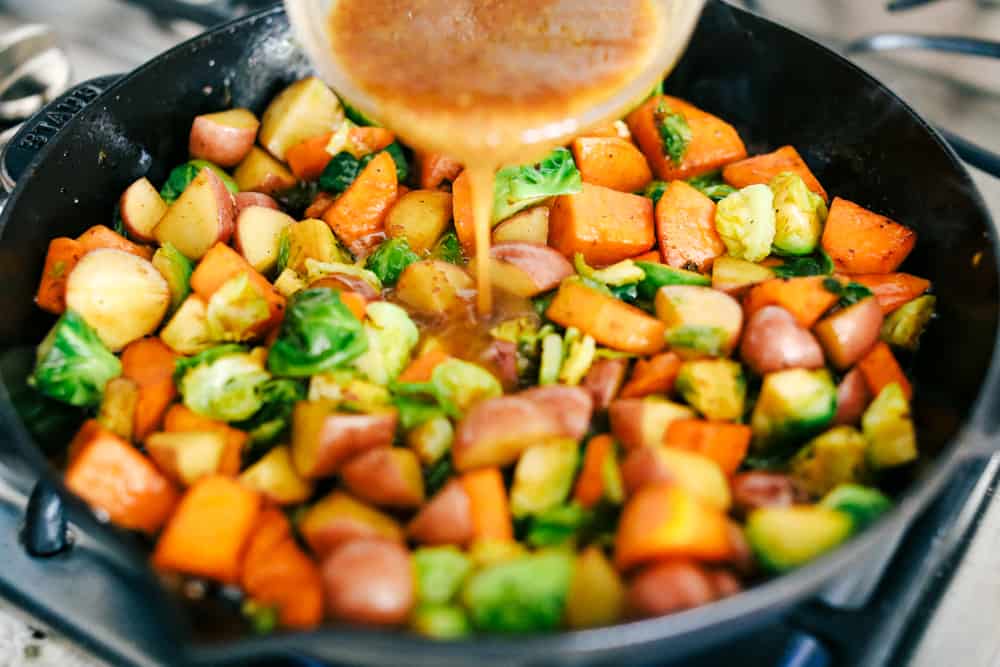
912	607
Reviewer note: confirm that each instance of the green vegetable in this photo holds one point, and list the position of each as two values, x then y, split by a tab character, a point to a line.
436	475
392	335
745	221
889	429
526	594
284	252
390	258
784	538
834	457
624	272
223	383
72	365
850	293
799	214
698	338
793	267
654	191
414	411
793	405
271	421
712	186
543	477
176	270
319	333
440	573
518	188
181	176
235	310
675	133
579	358
448	249
440	621
714	387
456	385
315	270
903	327
862	504
344	168
431	439
355	116
552	359
565	524
659	275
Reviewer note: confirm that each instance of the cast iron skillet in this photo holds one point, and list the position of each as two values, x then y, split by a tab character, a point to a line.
774	85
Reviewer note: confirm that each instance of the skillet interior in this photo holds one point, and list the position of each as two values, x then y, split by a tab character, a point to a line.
775	86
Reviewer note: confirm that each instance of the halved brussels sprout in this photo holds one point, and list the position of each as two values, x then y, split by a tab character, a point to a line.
799	214
746	222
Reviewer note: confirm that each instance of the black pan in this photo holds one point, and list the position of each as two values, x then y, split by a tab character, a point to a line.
777	87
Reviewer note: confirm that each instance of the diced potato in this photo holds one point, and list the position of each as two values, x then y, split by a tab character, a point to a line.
434	287
596	593
202	216
187	331
224	137
141	207
258	232
259	172
700	320
117	413
312	239
303	110
123	297
276	478
530	226
419	216
187	456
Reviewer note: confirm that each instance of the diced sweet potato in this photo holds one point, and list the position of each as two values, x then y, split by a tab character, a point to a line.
655	375
605	225
488	504
892	290
714	142
100	236
724	443
111	475
762	168
208	534
611	322
861	241
150	364
805	298
611	162
358	216
62	256
221	264
880	368
685	228
180	419
434	169
308	158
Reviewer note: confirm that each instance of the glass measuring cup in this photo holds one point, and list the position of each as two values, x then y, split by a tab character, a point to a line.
534	132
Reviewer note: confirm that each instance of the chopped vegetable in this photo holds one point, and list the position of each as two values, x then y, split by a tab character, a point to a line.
517	188
746	222
181	176
543	477
392	335
72	365
661	275
889	429
784	538
222	383
389	260
675	133
716	388
833	458
712	186
440	621
456	385
596	594
793	405
798	215
604	225
440	573
863	504
176	269
903	327
609	321
793	267
319	333
236	311
860	241
686	228
762	168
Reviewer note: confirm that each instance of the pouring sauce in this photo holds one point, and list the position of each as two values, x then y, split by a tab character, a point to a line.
492	82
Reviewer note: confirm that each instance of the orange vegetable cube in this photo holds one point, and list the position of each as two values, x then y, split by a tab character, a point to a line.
358	216
150	364
220	264
685	228
805	298
611	322
762	168
62	256
880	368
180	419
208	534
655	375
309	158
434	169
611	162
605	225
112	475
893	290
860	241
488	504
723	442
101	236
714	142
590	484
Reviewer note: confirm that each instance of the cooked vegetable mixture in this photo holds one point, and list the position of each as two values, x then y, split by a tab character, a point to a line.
688	383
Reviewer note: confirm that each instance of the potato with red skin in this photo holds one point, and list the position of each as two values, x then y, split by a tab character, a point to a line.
202	216
369	582
604	380
850	333
349	283
434	287
338	518
530	225
501	358
643	422
247	199
774	341
141	208
259	172
670	586
444	519
495	431
258	236
386	477
756	489
697	473
323	439
224	137
853	396
526	269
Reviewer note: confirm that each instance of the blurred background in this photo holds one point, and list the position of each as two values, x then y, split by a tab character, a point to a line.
942	56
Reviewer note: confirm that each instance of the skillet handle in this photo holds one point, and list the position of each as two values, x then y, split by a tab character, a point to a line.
30	137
